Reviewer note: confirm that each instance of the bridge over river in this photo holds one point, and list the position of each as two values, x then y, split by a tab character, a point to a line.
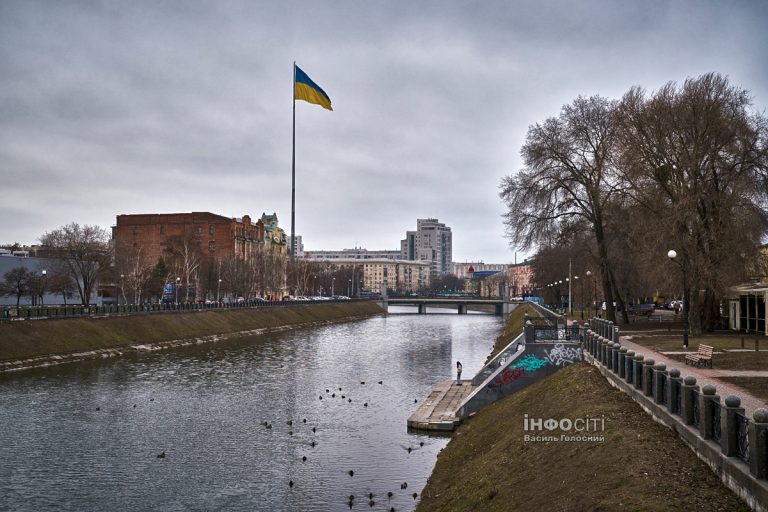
501	305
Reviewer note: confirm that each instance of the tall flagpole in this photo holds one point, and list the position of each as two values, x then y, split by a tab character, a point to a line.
293	173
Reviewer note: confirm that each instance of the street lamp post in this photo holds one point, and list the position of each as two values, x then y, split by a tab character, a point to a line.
594	286
672	254
178	281
122	290
218	291
42	288
570	309
581	295
349	288
333	286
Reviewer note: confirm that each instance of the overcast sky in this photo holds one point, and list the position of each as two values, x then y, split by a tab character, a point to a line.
162	106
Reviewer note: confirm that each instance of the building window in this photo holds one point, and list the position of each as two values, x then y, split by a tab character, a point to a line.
162	229
199	230
212	229
212	246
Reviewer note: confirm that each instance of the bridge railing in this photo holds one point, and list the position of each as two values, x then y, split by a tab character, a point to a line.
551	316
556	332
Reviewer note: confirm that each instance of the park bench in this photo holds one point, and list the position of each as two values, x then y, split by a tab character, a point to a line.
702	357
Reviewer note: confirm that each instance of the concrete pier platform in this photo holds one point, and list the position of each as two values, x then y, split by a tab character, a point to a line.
438	411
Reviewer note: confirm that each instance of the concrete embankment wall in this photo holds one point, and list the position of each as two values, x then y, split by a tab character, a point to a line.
31	343
518	366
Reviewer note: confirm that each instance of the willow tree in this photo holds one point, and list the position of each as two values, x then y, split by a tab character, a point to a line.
568	182
695	156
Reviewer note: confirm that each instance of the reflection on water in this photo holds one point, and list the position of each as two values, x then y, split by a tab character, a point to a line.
86	436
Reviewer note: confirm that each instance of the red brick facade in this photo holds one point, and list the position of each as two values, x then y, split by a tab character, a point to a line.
217	236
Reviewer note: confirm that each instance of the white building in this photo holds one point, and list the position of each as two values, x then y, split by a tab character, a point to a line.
358	253
432	242
398	275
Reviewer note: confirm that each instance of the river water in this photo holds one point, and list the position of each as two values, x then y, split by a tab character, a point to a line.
86	436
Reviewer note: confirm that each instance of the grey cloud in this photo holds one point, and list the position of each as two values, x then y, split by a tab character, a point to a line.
123	107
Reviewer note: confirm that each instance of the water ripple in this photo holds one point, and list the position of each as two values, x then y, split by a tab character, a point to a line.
87	436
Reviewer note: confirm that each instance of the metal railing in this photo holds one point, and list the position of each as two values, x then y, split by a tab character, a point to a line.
716	432
742	437
554	332
8	314
696	411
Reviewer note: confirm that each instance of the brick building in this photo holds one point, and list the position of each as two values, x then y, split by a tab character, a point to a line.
215	233
212	239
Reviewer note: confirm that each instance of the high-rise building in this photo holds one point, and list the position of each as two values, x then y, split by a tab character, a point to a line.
433	242
299	246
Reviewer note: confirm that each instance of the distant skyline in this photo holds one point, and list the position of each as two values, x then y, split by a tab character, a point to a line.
115	107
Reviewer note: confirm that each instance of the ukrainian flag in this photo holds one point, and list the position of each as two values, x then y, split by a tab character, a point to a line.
307	90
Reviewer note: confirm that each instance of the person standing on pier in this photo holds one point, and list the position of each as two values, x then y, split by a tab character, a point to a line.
458	373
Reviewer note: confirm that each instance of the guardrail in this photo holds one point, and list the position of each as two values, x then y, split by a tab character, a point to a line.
8	314
718	431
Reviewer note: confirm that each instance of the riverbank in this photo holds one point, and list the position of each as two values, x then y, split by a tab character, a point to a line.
513	327
27	344
630	462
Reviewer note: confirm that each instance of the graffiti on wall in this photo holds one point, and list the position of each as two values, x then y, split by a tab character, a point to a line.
560	355
506	376
530	363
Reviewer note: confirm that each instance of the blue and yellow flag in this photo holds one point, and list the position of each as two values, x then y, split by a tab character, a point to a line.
307	90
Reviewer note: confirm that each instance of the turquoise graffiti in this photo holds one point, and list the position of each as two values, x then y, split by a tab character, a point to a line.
530	363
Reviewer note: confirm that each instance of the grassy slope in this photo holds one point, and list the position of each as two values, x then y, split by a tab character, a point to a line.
640	465
23	339
513	326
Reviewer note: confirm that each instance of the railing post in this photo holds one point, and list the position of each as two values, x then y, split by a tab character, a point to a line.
729	434
622	362
673	391
689	391
706	425
648	376
609	355
638	371
615	357
659	382
629	362
758	444
530	332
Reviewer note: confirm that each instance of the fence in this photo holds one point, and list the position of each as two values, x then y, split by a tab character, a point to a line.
8	314
718	430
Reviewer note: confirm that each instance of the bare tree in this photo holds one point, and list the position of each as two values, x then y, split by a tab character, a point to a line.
17	282
186	256
61	283
695	156
135	271
567	183
82	250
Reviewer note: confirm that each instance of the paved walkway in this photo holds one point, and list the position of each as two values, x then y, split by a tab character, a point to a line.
707	376
438	411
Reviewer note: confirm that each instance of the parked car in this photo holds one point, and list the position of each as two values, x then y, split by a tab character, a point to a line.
642	309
